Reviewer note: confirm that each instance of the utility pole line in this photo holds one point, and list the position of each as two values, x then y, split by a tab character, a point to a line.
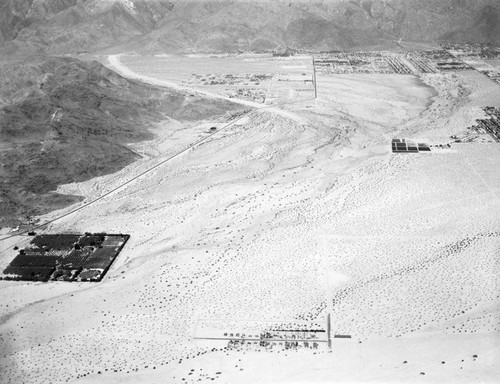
314	78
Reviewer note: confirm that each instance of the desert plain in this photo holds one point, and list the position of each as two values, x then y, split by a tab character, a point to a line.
292	212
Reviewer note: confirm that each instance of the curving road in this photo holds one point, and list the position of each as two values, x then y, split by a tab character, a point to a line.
116	65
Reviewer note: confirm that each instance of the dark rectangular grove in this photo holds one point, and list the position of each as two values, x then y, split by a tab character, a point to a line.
66	257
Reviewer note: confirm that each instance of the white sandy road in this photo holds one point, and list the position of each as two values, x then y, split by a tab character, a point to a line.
118	66
240	229
115	64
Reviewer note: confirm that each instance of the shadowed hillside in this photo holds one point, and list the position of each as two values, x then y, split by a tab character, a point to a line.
63	120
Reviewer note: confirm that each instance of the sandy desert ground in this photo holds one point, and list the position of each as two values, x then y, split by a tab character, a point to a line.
291	213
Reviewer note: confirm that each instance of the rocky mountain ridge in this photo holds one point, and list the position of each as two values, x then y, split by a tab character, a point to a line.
62	26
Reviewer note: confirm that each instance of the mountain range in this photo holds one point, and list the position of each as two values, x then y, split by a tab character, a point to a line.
69	26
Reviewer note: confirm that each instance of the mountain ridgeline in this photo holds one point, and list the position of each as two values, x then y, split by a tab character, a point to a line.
57	26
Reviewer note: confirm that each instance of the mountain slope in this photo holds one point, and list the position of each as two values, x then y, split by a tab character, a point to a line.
17	15
63	120
62	26
72	26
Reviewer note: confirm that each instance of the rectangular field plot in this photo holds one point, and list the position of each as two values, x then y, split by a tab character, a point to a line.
407	146
30	273
57	242
411	62
353	62
64	257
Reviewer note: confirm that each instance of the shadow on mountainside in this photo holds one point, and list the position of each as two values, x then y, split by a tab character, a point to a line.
63	120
